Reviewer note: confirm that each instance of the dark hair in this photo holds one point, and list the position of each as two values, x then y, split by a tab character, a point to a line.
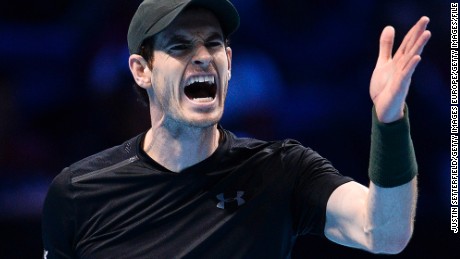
147	49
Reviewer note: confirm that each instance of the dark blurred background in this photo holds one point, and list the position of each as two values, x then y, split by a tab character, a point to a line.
301	70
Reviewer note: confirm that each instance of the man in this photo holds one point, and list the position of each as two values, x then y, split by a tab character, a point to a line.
189	188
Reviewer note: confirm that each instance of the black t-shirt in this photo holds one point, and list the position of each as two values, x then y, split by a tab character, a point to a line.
249	199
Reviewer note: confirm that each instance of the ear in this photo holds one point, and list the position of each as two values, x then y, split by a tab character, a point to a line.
140	71
228	50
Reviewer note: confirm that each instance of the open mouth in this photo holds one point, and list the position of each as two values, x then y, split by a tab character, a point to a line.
201	88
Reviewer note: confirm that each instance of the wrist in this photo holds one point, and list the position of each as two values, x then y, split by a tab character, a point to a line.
392	158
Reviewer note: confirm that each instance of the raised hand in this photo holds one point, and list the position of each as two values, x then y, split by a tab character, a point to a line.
392	75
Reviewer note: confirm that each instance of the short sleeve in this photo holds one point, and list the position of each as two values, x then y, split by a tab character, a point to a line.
58	219
316	179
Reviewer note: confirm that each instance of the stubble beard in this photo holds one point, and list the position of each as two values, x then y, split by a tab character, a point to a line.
175	123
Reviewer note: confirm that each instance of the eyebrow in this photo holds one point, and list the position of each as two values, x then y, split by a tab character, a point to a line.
180	38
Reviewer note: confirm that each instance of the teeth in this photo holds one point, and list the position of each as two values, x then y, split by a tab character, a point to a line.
201	79
203	100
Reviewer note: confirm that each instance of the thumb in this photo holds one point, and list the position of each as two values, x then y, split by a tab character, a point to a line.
386	45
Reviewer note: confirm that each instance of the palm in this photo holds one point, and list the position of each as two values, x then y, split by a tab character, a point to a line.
391	77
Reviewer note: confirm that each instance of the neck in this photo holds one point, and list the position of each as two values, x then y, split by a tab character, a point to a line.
179	148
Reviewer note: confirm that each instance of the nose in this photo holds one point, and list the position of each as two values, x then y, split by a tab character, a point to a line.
202	57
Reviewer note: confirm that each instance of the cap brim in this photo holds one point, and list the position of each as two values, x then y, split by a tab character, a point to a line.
224	10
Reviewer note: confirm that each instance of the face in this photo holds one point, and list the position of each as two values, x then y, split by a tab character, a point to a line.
190	71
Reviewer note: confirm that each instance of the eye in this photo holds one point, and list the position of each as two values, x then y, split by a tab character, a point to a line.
179	47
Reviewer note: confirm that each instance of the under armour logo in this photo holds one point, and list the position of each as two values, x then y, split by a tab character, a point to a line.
234	202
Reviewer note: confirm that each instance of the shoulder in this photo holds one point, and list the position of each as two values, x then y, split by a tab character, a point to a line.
103	160
106	158
287	151
236	142
62	188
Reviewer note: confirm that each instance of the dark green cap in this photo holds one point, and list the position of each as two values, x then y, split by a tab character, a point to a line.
153	16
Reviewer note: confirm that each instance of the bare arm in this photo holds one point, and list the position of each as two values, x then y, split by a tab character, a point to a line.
376	219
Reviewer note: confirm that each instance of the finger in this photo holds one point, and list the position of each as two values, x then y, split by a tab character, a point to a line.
415	51
409	69
412	36
416	30
420	29
386	44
